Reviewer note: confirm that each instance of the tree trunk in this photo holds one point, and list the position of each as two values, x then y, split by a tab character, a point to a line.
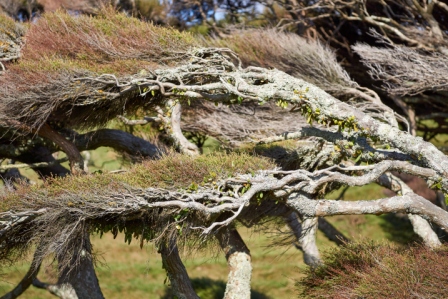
239	261
81	274
175	269
305	234
77	280
420	225
73	154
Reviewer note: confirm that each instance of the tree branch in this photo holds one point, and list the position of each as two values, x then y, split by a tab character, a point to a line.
26	281
176	271
409	204
421	227
171	120
146	120
305	234
116	139
73	154
239	262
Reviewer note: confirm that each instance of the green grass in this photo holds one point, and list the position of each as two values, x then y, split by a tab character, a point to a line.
127	270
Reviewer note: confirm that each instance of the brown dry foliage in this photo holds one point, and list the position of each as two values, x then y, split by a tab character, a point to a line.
236	124
109	41
36	7
60	47
370	270
405	71
305	59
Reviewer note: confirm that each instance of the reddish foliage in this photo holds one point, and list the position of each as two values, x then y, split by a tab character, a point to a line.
368	270
103	39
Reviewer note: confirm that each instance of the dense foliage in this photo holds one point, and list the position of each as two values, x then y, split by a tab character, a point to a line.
373	270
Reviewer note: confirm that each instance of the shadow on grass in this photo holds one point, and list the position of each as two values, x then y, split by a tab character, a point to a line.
207	288
398	229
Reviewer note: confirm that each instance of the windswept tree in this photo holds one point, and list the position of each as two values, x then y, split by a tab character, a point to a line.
391	32
74	75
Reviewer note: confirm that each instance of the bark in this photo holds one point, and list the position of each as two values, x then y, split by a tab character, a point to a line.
77	280
173	128
116	139
409	203
239	261
420	225
305	234
176	271
73	154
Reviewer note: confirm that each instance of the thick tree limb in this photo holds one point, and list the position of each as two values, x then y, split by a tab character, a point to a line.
409	203
239	261
420	225
305	234
116	139
73	154
175	269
